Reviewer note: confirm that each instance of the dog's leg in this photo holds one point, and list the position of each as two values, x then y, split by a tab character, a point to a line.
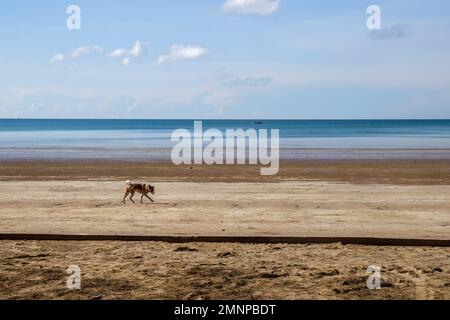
125	196
132	195
149	198
141	198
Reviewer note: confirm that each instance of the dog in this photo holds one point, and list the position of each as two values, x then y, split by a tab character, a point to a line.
143	189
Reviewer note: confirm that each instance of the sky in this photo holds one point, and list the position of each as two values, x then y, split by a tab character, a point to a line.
233	59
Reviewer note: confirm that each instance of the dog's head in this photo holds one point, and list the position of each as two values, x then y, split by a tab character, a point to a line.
151	189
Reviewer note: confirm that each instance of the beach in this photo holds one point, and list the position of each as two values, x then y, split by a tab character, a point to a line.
158	270
231	149
401	199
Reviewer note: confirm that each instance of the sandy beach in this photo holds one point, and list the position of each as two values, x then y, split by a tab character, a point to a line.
395	199
292	150
156	270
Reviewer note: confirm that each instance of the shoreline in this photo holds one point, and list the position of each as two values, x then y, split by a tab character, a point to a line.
163	154
399	171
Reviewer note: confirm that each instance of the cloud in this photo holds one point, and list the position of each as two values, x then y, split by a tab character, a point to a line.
118	53
83	51
59	57
77	53
80	51
126	55
396	31
251	7
136	50
180	52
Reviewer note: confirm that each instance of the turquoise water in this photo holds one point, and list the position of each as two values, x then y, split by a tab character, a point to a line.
151	138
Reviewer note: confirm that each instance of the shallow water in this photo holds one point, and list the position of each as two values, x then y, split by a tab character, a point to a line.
150	139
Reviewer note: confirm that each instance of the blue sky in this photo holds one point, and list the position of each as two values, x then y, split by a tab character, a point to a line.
225	59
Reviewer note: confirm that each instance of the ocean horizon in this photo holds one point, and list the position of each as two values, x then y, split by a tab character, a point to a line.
150	139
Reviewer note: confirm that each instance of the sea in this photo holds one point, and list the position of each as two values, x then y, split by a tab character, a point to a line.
151	139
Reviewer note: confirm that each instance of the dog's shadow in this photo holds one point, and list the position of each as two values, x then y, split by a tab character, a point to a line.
103	204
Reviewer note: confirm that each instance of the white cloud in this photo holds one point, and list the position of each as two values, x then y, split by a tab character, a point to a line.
251	7
127	54
80	51
77	53
119	53
180	52
136	50
59	57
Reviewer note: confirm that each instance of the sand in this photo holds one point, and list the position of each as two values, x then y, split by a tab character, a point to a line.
396	199
154	270
399	172
289	208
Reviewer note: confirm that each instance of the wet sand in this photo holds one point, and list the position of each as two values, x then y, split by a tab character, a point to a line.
399	172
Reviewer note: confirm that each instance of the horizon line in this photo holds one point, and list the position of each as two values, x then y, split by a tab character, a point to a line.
239	119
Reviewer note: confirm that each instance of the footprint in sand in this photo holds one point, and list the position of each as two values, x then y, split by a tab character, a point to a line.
422	291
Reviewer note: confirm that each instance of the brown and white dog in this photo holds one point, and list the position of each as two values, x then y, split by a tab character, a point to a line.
143	189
